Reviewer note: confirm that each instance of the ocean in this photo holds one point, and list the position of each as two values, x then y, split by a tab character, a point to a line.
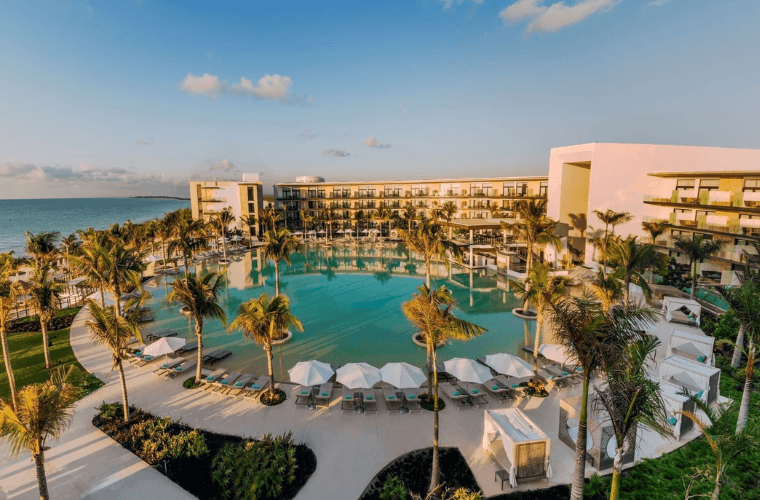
66	215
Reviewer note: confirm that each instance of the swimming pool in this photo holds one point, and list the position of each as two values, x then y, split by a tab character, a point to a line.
349	301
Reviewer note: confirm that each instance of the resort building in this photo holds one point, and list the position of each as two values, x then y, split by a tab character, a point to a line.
352	202
244	198
709	191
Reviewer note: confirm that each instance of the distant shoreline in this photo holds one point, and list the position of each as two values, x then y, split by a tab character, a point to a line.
162	197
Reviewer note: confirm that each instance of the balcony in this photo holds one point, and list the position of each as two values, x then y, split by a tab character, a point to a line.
719	224
713	198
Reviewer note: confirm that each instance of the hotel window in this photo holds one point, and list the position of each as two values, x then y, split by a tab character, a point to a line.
392	191
685	184
250	193
708	185
751	185
704	213
366	192
251	208
543	191
509	189
320	193
521	189
312	193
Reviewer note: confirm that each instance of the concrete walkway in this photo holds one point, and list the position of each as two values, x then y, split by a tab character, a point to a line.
350	448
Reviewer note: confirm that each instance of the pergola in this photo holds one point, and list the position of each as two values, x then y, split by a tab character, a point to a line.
473	225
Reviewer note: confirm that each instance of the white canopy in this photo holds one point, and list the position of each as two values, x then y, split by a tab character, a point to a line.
692	346
349	230
165	345
358	375
555	352
504	431
402	375
674	403
310	373
695	377
340	231
671	305
298	233
509	364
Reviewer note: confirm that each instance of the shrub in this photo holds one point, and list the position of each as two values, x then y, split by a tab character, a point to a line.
160	443
255	469
393	489
109	411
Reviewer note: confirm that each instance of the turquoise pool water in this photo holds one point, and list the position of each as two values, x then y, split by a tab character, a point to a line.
349	301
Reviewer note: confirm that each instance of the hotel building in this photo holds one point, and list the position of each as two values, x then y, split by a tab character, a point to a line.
475	198
244	198
714	192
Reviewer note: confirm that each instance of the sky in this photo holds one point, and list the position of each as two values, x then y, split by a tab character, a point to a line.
137	97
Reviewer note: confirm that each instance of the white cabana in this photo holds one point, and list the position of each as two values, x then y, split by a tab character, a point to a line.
697	378
671	309
517	444
692	346
676	403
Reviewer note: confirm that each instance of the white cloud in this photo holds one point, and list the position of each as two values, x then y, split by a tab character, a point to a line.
657	3
268	87
206	84
224	165
448	3
371	142
336	153
557	15
307	134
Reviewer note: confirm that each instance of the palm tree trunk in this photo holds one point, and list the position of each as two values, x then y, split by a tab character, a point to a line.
163	251
270	367
224	246
693	279
435	476
528	266
537	342
187	268
39	465
579	472
737	357
7	362
124	399
102	298
617	468
276	278
429	348
199	336
718	484
427	272
45	349
626	293
749	372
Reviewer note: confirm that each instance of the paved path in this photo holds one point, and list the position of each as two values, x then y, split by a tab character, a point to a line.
350	448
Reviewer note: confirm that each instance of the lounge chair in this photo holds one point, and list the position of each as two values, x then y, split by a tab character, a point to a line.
145	360
392	401
255	388
237	389
477	394
190	346
218	355
223	385
153	336
206	381
169	364
369	400
185	367
347	400
498	390
322	398
412	398
460	399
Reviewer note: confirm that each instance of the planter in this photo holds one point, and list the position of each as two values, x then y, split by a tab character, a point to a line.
531	316
417	339
288	338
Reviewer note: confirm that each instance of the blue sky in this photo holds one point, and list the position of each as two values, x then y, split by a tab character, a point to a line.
126	97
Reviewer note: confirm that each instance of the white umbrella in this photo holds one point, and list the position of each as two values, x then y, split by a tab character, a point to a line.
321	231
165	345
236	238
151	258
365	231
468	370
349	230
298	233
211	243
312	232
358	375
402	375
509	364
340	231
312	372
555	352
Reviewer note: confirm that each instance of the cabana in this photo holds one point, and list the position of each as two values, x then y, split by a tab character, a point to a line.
697	378
691	346
671	308
676	403
518	445
600	437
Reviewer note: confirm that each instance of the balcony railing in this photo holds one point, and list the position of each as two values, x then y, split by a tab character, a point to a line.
711	198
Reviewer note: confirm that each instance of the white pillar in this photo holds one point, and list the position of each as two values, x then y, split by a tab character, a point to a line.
471	255
504	233
471	237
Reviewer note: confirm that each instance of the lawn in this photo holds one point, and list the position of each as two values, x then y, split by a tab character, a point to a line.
28	361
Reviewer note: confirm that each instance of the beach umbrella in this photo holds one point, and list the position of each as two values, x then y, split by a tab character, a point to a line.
349	230
468	370
365	231
312	232
236	238
402	375
340	231
165	345
509	364
321	231
555	352
311	372
358	375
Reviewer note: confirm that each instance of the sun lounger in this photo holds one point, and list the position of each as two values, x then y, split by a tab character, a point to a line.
145	360
347	400
322	398
190	346
412	399
238	388
218	355
153	336
222	386
206	382
369	400
168	364
460	399
498	390
186	367
392	401
443	375
255	388
477	394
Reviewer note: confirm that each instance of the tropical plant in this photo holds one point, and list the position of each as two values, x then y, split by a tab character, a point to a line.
252	222
90	263
655	230
220	223
122	267
631	259
201	297
159	443
382	215
594	339
46	298
631	400
308	220
7	302
431	312
539	288
606	289
359	218
40	412
42	247
697	249
394	489
409	215
69	246
114	331
265	321
534	228
269	216
279	246
447	211
610	218
187	235
164	229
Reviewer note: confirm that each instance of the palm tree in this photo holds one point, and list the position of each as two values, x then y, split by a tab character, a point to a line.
220	223
201	297
631	400
382	215
610	218
447	211
252	222
121	267
187	234
69	246
430	311
307	220
540	288
269	215
114	331
359	217
328	216
534	228
278	247
606	289
40	412
594	340
46	298
41	247
7	302
631	259
264	321
90	264
163	231
655	230
409	214
697	249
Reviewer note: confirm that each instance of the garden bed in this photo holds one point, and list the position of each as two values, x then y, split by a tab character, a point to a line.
62	320
414	469
193	470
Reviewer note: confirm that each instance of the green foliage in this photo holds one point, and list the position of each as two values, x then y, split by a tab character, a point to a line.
160	443
675	274
726	328
255	469
597	487
109	411
393	489
465	494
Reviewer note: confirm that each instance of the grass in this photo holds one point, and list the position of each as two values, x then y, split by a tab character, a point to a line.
28	361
